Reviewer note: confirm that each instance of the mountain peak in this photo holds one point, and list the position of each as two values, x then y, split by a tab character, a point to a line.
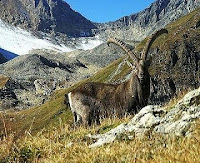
139	25
49	16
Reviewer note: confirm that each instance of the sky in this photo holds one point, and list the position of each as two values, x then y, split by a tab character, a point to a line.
108	10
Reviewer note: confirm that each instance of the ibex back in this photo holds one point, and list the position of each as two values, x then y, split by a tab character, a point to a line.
92	101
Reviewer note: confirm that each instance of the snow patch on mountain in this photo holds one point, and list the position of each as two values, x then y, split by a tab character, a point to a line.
20	41
87	44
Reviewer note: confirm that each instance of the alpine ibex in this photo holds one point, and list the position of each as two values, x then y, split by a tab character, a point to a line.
92	101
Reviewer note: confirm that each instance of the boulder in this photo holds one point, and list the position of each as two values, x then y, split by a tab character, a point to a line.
177	121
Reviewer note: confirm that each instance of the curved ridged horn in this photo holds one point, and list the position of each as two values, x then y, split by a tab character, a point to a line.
151	40
124	46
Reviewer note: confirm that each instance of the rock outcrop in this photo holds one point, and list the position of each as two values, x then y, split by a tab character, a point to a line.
23	94
176	65
177	121
34	77
8	98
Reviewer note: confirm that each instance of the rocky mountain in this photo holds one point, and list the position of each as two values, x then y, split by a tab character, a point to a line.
49	16
138	26
175	64
34	77
56	18
45	65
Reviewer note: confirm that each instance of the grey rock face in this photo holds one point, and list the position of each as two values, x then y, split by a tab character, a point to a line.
45	65
177	68
45	87
50	16
138	26
8	98
177	121
56	17
35	76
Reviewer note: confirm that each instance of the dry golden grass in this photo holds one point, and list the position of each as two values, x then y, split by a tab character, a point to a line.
5	145
66	144
176	99
59	142
3	81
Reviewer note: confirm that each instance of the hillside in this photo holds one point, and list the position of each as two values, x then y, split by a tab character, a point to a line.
175	62
154	135
175	66
45	133
182	75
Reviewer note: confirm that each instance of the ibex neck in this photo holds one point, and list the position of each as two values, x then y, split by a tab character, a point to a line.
136	80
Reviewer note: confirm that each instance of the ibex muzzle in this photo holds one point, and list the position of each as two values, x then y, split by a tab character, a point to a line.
92	101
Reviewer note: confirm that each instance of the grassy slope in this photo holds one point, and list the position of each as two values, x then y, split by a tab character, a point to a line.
65	144
53	111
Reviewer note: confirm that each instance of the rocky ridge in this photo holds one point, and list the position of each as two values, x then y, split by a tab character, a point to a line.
37	76
138	26
49	16
56	18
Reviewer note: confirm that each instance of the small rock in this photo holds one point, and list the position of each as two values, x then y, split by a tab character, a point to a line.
69	144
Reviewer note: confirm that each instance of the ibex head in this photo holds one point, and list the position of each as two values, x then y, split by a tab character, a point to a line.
140	62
